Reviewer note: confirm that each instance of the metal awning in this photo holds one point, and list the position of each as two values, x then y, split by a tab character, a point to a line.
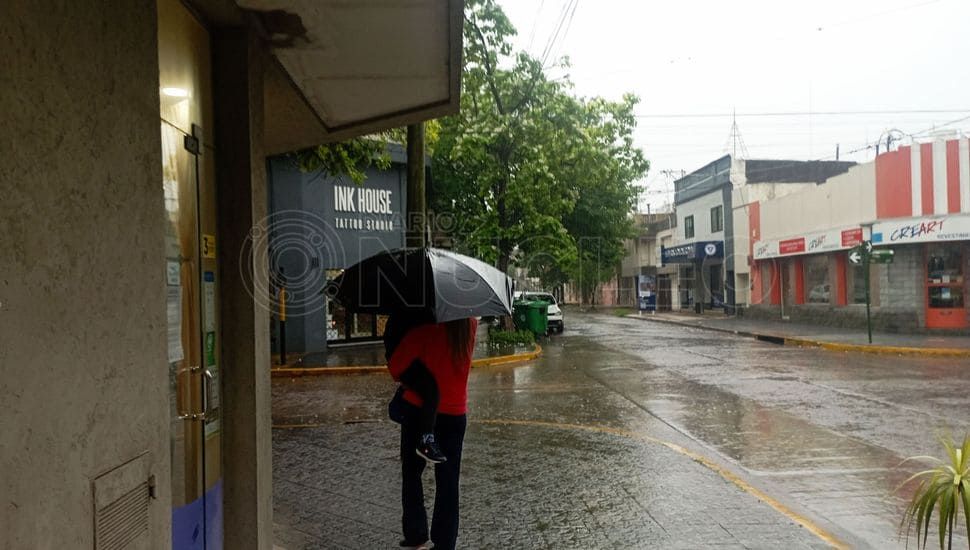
344	68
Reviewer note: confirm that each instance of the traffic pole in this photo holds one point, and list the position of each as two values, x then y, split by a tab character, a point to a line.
865	270
282	318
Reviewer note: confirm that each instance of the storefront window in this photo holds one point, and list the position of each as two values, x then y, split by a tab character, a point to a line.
767	281
818	288
944	271
362	326
336	322
856	284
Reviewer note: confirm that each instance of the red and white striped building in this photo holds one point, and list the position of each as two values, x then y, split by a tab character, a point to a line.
915	201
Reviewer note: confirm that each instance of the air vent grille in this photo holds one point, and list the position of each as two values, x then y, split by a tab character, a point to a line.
124	520
122	497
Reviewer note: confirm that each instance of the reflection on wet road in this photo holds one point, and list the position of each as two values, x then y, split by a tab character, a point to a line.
633	434
828	430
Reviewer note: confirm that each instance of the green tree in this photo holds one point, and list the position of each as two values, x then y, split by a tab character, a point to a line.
352	157
531	170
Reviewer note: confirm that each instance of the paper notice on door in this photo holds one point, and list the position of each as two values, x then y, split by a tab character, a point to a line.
209	302
173	273
212	427
174	303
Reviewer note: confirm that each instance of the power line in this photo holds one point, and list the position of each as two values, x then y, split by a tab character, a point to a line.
569	25
802	113
568	11
555	33
535	23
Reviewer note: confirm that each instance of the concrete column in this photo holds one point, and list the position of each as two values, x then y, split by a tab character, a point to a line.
238	62
83	362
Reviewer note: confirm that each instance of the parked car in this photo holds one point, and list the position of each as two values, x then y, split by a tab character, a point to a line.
554	311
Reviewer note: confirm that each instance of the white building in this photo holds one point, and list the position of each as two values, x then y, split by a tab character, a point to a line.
704	264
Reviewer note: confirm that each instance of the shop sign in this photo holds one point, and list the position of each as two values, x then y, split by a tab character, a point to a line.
692	252
810	243
852	237
791	246
922	230
363	209
677	253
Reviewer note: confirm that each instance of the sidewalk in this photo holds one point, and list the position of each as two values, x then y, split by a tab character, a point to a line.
833	338
369	357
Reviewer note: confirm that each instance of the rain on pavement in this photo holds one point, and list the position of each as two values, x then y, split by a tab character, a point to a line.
564	453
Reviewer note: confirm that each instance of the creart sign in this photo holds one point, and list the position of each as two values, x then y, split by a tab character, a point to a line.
922	230
810	243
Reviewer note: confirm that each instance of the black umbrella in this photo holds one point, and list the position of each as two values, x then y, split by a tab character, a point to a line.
450	286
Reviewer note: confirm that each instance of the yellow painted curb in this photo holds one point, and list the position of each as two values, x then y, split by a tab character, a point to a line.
830	346
728	475
885	350
295	372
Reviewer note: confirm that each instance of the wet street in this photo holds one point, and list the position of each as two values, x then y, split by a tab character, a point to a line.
633	434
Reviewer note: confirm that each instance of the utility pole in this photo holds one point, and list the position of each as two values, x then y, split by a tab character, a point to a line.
417	211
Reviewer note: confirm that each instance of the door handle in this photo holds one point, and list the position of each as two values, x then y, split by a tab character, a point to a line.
197	416
207	379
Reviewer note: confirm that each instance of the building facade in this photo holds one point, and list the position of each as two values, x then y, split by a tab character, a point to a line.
706	261
914	201
640	269
319	225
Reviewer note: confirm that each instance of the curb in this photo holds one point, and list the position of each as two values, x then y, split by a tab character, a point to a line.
296	372
829	346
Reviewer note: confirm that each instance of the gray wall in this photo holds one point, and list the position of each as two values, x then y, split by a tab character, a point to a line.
82	304
306	240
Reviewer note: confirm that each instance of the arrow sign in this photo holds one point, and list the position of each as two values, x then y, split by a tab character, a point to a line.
868	246
855	257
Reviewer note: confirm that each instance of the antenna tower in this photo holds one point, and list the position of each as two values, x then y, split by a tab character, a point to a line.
735	142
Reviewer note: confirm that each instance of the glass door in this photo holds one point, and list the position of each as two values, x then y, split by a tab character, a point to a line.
945	305
192	277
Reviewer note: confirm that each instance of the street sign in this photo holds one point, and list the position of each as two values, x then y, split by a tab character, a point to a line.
864	255
859	254
881	257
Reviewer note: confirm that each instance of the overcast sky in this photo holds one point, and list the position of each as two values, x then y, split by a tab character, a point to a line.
707	57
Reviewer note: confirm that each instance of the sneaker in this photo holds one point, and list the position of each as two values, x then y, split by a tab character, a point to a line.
415	546
428	449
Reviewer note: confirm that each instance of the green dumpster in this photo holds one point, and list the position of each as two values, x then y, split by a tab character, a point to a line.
531	316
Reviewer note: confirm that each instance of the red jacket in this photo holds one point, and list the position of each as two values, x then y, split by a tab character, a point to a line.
429	344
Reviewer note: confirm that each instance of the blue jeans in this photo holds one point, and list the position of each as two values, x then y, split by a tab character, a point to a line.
450	435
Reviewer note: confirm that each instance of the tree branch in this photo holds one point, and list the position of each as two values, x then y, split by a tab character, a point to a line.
489	70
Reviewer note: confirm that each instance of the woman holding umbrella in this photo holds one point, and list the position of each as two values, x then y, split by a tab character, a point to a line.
451	289
445	350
